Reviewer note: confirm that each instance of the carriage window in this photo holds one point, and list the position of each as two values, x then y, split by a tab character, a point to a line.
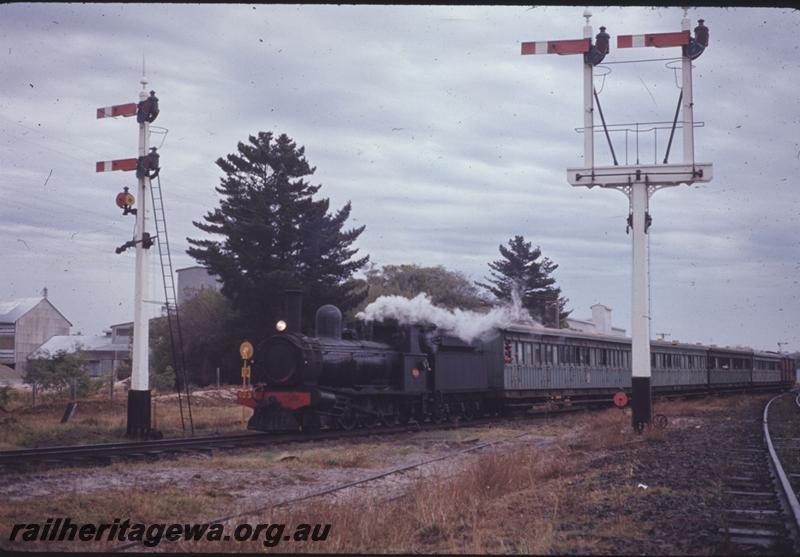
526	353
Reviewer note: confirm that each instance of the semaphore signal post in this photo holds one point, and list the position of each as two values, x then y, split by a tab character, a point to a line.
146	167
637	181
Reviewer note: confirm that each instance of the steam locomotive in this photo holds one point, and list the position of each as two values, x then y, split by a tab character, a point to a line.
385	373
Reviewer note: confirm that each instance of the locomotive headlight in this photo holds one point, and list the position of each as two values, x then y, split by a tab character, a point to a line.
280	326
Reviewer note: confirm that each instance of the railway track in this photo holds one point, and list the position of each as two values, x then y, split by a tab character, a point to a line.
761	514
105	453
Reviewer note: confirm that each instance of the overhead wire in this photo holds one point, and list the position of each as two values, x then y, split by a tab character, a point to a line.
640	60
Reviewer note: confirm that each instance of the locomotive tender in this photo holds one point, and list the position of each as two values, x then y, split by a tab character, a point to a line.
384	373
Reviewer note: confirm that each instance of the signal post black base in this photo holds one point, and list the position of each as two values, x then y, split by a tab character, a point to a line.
139	415
641	403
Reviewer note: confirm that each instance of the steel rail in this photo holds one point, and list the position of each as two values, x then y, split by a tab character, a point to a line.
783	480
91	450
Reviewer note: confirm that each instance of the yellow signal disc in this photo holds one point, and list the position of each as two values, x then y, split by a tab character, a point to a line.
246	350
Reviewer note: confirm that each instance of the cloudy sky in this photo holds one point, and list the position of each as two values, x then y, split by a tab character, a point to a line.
447	141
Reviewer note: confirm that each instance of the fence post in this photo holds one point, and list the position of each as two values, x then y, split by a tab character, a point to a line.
218	377
33	393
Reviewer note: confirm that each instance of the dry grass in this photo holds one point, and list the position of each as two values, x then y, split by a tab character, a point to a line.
139	505
100	420
703	406
454	514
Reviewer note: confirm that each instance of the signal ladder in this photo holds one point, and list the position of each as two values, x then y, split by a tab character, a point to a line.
173	317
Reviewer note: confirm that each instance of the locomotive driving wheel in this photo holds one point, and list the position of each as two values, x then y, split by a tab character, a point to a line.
468	411
370	420
347	421
404	414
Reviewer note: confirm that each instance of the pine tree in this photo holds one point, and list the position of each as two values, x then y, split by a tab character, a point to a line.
277	236
522	268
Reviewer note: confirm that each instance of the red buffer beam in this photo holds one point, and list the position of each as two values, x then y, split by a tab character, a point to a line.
119	164
658	40
117	110
575	46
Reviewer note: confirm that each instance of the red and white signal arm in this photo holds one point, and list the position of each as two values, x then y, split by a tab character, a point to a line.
128	109
119	164
572	46
658	40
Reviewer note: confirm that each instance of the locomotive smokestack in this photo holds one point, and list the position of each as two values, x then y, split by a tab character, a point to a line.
294	310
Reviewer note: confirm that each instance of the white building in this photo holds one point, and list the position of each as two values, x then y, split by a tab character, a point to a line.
599	323
103	355
26	323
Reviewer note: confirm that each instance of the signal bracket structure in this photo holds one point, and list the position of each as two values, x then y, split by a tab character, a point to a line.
637	181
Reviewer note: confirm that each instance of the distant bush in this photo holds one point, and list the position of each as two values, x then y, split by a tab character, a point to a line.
5	397
164	381
59	371
123	370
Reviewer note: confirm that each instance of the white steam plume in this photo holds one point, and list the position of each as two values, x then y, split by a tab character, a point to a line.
466	325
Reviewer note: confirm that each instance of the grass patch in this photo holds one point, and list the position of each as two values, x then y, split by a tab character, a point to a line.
161	505
99	420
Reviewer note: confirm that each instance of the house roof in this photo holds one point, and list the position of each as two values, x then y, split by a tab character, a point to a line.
71	343
12	310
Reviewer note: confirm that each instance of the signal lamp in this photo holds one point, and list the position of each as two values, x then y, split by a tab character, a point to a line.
280	326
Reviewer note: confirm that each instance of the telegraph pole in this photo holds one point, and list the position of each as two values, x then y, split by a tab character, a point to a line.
637	181
146	166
